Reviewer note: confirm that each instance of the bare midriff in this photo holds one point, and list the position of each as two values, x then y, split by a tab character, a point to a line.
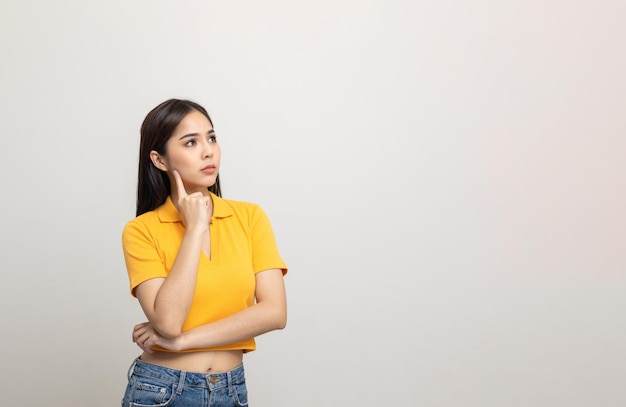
199	362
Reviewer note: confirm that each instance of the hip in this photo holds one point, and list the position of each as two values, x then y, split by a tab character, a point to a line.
154	385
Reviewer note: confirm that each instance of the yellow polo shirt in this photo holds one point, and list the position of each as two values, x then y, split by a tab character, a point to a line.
242	244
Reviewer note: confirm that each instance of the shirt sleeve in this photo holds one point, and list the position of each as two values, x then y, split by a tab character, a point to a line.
141	255
265	253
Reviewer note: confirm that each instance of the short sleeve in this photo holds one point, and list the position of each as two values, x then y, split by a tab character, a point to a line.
141	254
265	253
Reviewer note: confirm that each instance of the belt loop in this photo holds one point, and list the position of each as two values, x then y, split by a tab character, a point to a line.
181	382
230	383
131	369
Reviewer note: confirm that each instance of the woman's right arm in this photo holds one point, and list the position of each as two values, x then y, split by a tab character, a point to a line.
166	301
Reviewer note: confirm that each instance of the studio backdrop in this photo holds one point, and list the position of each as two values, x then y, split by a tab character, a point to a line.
445	179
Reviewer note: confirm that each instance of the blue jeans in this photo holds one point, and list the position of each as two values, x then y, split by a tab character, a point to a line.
153	385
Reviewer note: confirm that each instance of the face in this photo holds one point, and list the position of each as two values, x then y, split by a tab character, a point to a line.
192	150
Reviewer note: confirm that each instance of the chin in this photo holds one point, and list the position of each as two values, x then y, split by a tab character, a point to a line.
210	184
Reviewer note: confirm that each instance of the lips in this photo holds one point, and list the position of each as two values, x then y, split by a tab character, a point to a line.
209	169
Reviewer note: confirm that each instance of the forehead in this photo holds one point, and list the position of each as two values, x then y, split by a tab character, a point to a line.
193	122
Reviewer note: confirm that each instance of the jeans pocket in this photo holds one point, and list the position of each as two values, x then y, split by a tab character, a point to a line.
241	394
147	392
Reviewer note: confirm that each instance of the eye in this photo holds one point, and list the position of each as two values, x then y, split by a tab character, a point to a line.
212	139
190	143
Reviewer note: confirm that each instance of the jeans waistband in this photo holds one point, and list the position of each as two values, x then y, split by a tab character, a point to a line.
209	381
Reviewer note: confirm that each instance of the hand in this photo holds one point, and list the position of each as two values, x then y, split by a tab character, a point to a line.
195	208
145	336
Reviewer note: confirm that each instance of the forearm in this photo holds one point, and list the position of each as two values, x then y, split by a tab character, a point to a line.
248	323
174	298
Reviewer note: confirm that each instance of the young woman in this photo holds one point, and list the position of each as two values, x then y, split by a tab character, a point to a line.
206	270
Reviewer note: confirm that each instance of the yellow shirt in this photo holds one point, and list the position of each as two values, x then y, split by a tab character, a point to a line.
242	244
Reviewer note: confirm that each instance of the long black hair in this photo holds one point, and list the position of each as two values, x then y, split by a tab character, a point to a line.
153	185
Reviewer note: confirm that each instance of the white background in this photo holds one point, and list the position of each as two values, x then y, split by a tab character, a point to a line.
446	181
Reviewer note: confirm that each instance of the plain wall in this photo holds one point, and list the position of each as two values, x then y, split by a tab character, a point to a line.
445	180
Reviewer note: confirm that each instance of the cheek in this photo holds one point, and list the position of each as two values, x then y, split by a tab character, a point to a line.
175	162
177	157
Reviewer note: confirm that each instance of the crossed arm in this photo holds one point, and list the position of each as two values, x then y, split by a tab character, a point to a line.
267	314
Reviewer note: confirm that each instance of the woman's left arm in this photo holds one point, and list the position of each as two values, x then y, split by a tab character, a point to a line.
267	314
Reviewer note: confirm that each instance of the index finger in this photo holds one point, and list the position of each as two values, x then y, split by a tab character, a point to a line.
182	192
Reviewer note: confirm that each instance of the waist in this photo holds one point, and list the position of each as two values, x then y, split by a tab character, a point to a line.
183	378
200	362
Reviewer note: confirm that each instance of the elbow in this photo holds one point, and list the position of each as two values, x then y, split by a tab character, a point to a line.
273	316
171	335
168	331
282	324
280	320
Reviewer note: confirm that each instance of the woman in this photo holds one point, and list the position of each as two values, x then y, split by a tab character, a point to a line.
205	270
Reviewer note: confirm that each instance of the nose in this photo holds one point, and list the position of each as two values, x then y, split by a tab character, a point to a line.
208	149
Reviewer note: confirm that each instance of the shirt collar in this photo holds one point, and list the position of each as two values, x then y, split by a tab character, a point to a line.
168	213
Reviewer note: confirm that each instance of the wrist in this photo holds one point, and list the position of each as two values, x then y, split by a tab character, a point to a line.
196	230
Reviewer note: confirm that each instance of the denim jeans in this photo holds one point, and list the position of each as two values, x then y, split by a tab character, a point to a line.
153	385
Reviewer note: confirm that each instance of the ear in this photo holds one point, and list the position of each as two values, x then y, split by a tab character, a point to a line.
158	161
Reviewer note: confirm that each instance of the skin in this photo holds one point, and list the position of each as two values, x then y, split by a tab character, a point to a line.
166	301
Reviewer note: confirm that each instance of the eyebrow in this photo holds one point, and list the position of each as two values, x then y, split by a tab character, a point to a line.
196	134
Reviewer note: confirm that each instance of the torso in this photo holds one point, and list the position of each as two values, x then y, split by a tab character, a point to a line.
226	273
200	362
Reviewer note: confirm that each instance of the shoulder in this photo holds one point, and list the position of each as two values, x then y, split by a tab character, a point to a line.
152	224
142	221
163	215
139	228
